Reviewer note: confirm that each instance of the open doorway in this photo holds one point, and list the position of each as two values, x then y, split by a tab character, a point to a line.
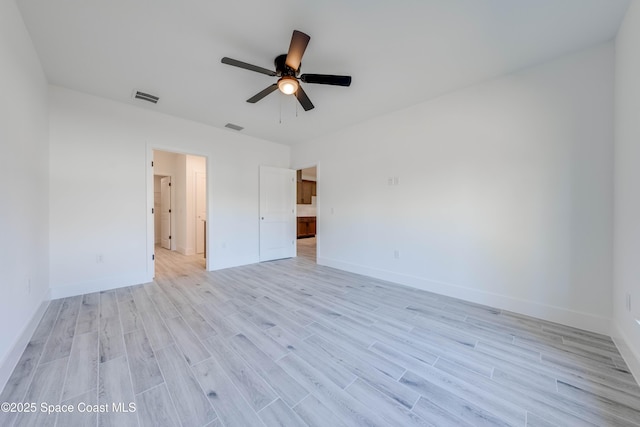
162	211
307	203
180	211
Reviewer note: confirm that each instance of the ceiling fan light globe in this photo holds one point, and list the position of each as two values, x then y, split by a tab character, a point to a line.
288	85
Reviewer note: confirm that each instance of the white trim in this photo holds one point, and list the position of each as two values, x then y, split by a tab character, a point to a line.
535	309
11	359
151	232
626	351
185	251
318	210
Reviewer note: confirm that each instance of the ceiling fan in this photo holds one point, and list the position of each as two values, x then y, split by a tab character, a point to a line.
288	69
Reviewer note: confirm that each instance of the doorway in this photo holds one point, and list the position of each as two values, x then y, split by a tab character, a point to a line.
162	211
179	210
307	212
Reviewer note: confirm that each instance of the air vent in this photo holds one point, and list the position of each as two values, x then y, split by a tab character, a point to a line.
232	126
146	97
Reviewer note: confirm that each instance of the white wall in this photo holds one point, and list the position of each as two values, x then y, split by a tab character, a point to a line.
24	253
101	185
157	197
164	162
504	192
627	193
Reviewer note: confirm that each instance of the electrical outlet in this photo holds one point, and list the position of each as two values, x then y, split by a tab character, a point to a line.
390	180
396	180
628	302
99	259
396	254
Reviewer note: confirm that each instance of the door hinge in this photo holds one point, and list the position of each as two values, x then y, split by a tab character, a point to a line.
169	210
152	211
169	184
169	237
151	163
153	257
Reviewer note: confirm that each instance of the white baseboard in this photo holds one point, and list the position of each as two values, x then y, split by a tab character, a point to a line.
103	284
626	350
11	359
550	313
186	251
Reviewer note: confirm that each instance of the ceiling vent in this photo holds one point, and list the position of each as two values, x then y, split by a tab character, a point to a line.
146	97
232	126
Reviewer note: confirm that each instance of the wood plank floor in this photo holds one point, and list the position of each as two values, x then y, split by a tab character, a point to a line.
291	343
307	248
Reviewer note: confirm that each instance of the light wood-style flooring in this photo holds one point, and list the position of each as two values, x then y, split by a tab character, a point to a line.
291	343
307	248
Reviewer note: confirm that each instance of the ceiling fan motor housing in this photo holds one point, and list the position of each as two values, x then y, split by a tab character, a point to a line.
282	69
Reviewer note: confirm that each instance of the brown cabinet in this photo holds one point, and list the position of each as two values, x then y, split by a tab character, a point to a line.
306	226
305	190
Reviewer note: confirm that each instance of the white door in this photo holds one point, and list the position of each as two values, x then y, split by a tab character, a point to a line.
165	212
277	213
201	210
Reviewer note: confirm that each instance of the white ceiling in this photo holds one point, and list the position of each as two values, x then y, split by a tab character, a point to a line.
399	52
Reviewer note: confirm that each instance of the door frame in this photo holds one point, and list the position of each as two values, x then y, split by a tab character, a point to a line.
172	225
195	202
318	202
150	252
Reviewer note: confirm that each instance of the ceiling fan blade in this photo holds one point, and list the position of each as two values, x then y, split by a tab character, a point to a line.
326	79
303	99
258	96
246	66
299	42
